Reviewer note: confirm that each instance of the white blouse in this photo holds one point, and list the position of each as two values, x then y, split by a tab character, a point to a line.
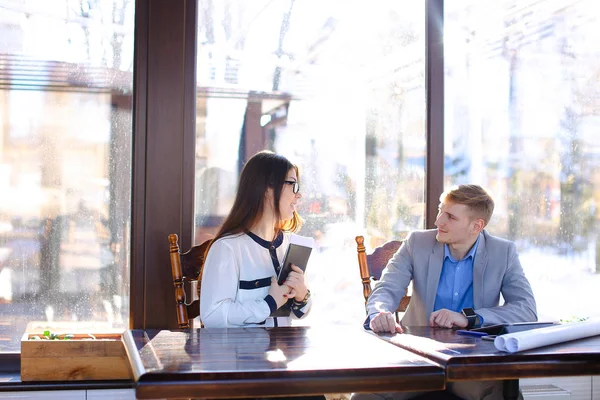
236	280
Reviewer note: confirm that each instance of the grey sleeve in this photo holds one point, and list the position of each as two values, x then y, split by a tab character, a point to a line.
395	278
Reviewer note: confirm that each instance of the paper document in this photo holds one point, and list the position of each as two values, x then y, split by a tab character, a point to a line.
305	241
521	341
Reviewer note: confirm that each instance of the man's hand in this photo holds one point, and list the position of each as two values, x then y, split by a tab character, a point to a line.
384	322
447	319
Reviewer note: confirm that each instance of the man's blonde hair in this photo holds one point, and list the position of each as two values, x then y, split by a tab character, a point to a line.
473	196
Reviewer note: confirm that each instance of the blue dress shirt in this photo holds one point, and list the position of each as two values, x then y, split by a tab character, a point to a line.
455	289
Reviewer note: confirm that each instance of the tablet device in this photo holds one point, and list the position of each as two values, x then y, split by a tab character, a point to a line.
298	253
502	329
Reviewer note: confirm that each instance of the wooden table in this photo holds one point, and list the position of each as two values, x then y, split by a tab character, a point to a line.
468	358
260	362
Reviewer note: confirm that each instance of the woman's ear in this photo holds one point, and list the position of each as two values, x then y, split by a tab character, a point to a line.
269	196
269	204
269	193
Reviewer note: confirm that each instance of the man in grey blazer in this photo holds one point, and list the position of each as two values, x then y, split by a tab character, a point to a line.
458	273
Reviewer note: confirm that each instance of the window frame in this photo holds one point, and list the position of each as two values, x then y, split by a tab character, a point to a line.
163	191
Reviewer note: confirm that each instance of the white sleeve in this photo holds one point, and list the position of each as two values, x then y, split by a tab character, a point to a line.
218	294
302	312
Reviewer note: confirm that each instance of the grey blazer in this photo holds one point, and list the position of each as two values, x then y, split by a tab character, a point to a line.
496	270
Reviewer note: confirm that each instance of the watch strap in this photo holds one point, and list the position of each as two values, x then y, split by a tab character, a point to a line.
300	304
471	321
471	318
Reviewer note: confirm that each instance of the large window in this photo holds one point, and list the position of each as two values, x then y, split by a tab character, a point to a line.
340	91
522	114
338	87
65	166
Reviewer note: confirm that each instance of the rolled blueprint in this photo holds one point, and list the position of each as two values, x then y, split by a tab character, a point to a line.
531	339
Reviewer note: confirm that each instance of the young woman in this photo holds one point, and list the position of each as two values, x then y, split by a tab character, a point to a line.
239	285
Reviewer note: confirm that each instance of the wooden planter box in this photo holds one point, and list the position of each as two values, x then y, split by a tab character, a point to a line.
74	359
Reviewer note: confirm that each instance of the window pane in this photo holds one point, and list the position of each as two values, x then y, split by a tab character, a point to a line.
65	166
522	118
338	88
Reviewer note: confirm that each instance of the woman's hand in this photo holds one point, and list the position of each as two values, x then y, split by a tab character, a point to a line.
279	293
295	281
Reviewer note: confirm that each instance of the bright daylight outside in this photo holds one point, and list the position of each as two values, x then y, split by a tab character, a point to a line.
339	88
522	118
65	174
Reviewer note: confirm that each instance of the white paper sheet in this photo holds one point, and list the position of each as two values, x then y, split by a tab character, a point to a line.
305	241
531	339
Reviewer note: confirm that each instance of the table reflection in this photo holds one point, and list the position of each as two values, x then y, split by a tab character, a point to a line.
222	362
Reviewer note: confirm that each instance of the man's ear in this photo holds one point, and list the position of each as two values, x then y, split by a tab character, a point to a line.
478	225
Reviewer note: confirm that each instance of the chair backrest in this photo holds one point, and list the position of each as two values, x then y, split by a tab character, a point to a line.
372	265
186	267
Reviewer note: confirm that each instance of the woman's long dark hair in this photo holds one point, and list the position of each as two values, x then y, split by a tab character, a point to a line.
263	170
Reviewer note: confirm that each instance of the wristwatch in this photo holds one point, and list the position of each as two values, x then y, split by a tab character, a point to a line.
471	316
299	304
306	297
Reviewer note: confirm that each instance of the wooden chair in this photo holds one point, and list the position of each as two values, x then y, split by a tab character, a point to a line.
371	266
186	267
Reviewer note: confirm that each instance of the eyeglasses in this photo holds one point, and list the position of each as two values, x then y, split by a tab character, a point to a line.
295	186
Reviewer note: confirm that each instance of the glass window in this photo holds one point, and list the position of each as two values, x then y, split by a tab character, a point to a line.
522	118
65	166
340	91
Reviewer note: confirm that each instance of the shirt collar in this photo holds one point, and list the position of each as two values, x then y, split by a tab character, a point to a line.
471	252
265	243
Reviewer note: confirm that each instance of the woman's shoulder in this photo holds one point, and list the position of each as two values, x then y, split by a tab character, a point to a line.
228	241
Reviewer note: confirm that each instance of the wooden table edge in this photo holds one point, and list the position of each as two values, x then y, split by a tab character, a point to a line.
260	387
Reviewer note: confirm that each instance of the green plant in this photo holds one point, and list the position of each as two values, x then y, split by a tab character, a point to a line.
53	336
